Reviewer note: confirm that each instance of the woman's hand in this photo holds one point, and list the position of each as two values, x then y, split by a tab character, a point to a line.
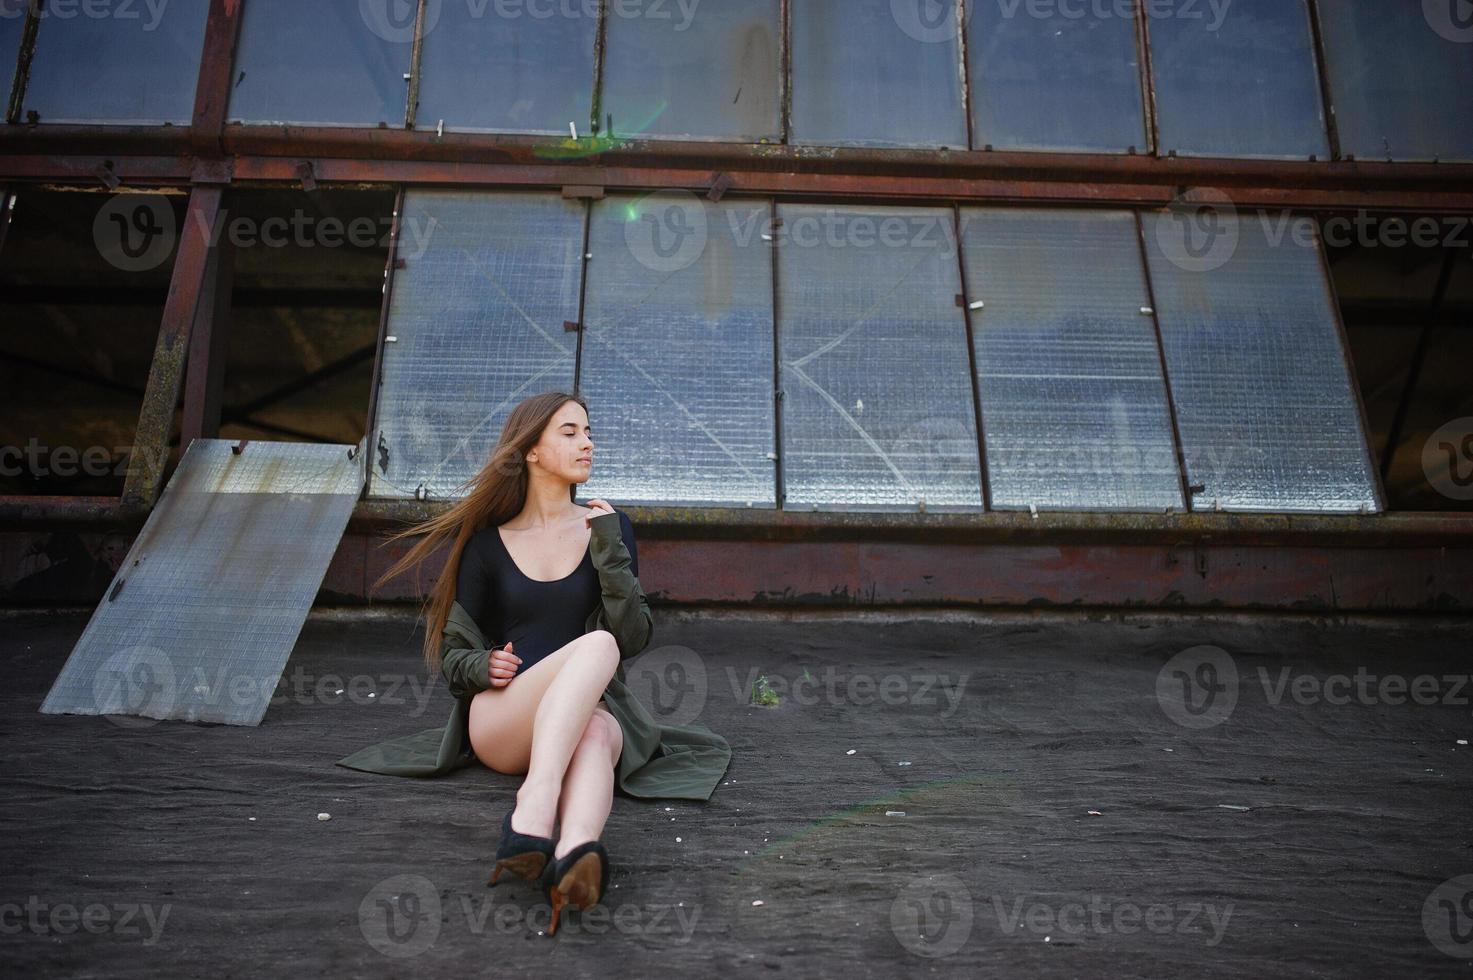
596	508
502	666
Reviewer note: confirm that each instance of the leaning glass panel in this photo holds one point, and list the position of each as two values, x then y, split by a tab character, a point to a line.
702	72
876	73
326	63
1057	80
136	64
1256	364
476	324
204	611
1401	76
1074	408
507	67
1237	80
877	410
677	351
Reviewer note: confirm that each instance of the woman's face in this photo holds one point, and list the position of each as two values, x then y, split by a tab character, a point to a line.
565	450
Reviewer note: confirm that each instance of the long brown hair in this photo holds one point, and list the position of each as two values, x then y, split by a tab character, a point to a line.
494	496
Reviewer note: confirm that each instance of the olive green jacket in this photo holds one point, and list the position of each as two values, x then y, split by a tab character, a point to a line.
658	761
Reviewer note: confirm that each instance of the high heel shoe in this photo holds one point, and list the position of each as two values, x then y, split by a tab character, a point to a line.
578	879
526	855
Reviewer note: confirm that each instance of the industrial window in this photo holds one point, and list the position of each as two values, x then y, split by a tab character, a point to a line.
1401	76
83	280
676	360
876	73
711	73
503	68
476	324
877	406
136	66
1257	367
1074	406
334	63
1238	81
1055	81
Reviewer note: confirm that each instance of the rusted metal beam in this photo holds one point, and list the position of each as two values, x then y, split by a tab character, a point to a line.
166	374
1411	529
1452	198
389	145
216	66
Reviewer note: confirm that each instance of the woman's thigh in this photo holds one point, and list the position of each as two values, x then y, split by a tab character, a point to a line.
501	717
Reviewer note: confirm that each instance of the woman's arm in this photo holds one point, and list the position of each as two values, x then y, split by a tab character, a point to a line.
624	602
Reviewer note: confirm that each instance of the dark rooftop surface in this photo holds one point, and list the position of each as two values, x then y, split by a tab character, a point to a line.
1015	795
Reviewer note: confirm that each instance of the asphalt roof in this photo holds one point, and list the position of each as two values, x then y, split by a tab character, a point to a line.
1013	795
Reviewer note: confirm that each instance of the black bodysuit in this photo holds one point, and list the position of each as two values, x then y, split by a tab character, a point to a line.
536	617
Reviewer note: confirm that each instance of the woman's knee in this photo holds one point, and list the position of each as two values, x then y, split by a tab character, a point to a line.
602	731
600	648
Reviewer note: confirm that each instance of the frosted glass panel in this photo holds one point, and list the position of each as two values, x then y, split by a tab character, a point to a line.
138	65
708	70
1064	81
876	73
477	319
1238	80
1401	76
328	62
498	68
203	614
1074	407
877	408
1263	397
677	351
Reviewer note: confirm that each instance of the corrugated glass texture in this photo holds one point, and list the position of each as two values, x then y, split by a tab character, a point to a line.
677	351
477	316
1074	407
201	618
1266	413
877	408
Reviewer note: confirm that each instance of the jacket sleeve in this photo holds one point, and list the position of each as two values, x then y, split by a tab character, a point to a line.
466	669
624	602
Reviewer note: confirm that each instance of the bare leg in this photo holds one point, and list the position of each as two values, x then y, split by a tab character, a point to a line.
588	787
534	723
